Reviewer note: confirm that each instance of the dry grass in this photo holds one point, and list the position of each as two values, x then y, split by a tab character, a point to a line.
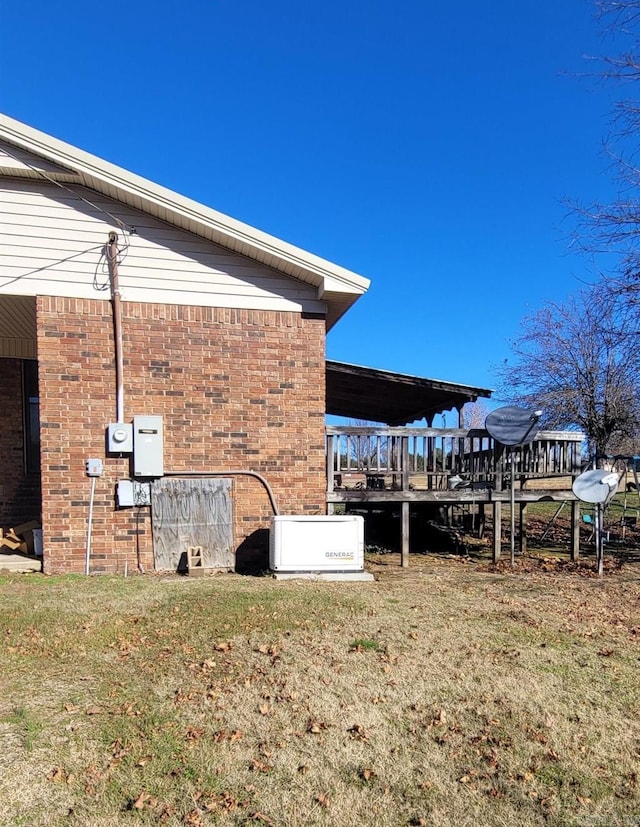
446	694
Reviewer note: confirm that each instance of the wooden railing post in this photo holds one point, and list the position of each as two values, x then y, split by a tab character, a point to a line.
330	462
404	463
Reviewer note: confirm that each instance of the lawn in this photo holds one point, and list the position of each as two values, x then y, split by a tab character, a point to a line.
450	693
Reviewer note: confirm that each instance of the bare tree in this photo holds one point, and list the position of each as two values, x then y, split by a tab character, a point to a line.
580	362
474	414
366	449
614	228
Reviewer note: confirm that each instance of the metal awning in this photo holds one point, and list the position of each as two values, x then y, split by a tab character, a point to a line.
392	398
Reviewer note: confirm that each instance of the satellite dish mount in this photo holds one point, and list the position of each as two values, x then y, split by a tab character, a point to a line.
512	427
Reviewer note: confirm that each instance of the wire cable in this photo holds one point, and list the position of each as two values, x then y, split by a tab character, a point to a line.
51	264
124	227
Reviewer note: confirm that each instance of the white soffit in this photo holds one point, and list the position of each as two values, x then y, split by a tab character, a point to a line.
90	171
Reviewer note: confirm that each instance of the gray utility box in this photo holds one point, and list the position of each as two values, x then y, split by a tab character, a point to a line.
148	449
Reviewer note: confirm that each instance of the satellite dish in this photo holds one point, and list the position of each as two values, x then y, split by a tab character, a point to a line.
512	426
596	486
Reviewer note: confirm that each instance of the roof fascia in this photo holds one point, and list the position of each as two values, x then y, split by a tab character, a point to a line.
322	273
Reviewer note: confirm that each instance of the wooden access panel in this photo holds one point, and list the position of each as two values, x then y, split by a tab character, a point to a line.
192	512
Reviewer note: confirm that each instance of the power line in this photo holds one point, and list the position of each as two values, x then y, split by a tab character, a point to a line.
124	227
51	264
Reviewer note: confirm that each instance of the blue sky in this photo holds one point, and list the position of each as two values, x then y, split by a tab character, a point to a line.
425	145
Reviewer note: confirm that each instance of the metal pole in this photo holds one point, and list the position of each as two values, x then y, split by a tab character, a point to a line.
513	511
599	539
112	260
88	549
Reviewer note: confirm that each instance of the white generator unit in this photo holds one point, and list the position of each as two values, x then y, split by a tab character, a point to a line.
317	544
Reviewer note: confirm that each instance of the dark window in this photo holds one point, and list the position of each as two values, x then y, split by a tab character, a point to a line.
31	407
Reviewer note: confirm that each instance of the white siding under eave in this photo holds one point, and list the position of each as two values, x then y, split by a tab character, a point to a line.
51	243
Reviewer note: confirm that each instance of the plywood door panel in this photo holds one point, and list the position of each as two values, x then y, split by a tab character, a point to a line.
192	512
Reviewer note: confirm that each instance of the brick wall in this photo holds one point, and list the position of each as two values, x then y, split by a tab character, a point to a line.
19	491
238	389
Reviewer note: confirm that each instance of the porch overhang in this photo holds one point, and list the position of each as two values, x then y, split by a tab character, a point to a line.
376	395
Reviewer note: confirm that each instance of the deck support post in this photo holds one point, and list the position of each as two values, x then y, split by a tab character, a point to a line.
481	520
523	529
405	535
575	530
497	530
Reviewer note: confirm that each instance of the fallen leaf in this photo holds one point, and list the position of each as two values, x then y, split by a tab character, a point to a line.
367	774
57	774
260	766
358	731
322	799
258	816
303	769
194	819
141	801
93	710
315	727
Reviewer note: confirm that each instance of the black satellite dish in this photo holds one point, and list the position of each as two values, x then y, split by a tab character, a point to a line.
512	426
595	486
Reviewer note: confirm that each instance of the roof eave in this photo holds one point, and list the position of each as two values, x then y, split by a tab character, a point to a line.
331	280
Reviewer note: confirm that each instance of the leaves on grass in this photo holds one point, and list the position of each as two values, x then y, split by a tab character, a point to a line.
258	765
316	727
262	818
143	801
359	732
224	735
223	801
322	799
193	734
57	775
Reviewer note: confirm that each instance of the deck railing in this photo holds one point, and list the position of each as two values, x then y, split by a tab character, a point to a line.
405	459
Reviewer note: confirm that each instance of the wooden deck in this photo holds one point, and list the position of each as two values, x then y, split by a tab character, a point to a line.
450	466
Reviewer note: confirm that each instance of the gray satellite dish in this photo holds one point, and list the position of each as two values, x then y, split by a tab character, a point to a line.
596	486
512	426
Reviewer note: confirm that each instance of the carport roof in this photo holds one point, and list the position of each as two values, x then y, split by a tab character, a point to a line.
392	398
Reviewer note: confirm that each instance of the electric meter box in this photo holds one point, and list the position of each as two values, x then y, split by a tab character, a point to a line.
120	438
148	449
